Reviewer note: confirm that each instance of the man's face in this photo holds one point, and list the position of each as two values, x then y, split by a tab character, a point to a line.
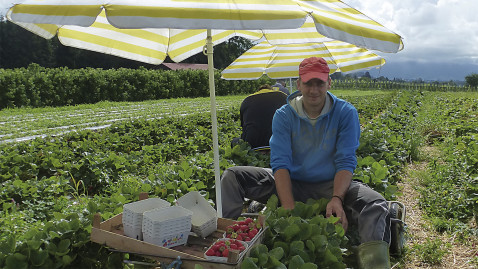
314	91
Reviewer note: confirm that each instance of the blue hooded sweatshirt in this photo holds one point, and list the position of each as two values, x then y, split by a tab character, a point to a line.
314	153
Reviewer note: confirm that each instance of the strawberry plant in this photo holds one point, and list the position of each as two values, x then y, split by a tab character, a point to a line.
299	237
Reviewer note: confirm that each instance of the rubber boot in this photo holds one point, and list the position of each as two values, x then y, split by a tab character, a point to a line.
373	255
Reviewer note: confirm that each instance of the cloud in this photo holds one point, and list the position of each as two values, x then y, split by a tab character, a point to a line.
432	30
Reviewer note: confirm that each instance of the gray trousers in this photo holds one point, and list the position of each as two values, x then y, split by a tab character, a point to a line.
363	206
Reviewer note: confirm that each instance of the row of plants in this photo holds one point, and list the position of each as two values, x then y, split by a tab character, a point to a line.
37	86
87	172
367	84
28	123
449	192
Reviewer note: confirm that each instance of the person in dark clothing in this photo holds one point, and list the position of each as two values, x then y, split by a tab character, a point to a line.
256	113
281	86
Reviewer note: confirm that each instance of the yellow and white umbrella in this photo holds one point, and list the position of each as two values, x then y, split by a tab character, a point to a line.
282	61
333	19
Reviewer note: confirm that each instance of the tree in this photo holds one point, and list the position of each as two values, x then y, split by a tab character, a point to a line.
472	80
19	47
224	53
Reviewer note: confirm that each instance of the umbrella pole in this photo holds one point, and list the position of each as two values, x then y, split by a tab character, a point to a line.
212	94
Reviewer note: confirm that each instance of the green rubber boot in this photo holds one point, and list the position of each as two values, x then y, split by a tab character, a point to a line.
373	255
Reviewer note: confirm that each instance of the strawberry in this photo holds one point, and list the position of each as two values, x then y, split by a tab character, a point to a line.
225	252
229	229
251	234
210	252
248	220
218	253
239	237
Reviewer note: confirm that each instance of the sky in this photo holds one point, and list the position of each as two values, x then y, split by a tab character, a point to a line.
440	37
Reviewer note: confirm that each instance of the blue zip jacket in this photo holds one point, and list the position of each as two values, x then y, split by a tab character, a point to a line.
315	153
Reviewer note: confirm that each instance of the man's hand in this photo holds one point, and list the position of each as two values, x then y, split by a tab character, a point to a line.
334	207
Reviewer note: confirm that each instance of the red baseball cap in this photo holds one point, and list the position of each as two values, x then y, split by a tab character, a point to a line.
314	67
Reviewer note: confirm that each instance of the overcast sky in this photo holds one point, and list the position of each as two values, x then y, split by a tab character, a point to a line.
440	36
435	33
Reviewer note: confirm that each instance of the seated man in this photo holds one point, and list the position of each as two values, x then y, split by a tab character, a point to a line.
256	114
313	144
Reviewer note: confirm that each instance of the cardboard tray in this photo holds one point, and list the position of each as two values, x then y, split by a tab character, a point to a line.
110	233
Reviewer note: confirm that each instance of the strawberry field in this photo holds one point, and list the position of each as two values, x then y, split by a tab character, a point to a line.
56	174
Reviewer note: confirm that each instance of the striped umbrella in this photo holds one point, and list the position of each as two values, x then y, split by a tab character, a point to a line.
282	61
333	19
149	45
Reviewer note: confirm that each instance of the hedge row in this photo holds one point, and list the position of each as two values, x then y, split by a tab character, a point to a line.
36	86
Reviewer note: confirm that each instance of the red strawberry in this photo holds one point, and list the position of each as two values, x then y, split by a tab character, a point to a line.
217	253
225	252
239	237
229	229
210	252
251	234
248	220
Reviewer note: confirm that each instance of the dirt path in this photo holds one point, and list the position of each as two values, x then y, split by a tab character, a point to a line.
419	230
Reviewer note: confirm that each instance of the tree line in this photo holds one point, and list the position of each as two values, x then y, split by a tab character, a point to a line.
20	48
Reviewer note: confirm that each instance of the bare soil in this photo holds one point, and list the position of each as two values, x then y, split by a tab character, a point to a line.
460	252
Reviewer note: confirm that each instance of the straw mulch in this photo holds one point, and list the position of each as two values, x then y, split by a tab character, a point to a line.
460	254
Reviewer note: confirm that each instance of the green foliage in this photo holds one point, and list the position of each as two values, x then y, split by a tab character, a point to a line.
432	251
299	238
48	183
472	80
37	86
449	192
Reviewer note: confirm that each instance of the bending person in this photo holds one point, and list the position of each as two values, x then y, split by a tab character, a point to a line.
256	113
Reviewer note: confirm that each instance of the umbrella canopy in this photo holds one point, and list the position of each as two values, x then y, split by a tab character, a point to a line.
333	19
149	45
282	61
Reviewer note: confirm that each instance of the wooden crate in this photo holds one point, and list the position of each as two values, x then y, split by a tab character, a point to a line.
110	233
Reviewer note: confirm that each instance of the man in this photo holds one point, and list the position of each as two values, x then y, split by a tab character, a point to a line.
281	86
256	114
313	144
